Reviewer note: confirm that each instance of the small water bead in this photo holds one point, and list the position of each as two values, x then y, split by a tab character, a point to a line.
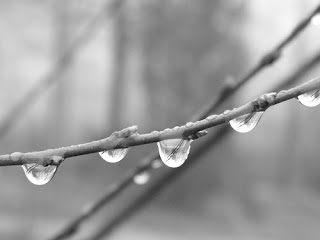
38	174
114	155
315	20
247	122
211	117
310	99
189	124
141	178
174	152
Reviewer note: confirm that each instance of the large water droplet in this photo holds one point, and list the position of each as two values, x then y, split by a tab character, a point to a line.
174	152
247	122
141	178
310	99
114	155
38	174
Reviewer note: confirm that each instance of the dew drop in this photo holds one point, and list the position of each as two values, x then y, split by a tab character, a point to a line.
114	155
315	20
247	122
211	117
310	99
141	178
38	174
174	152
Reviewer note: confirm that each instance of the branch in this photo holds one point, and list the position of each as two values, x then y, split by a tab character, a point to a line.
129	137
170	176
60	66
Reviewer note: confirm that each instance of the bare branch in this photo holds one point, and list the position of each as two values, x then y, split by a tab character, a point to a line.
129	137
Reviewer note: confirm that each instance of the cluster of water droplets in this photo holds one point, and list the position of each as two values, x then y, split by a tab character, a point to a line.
174	152
310	99
38	174
114	155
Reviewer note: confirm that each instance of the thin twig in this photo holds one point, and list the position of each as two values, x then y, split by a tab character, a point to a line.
226	93
59	68
170	176
129	137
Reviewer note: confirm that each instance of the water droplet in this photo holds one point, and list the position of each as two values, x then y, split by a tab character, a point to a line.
310	99
247	122
189	124
211	117
315	20
226	112
114	155
174	152
157	163
38	174
141	178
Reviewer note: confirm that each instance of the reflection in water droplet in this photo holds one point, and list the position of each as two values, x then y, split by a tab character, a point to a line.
246	122
315	21
174	152
38	174
141	178
310	99
114	155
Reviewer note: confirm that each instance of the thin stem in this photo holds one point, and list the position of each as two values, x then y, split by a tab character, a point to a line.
132	138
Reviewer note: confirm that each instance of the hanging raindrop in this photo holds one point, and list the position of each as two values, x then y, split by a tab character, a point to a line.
141	178
310	99
38	174
114	155
247	122
174	152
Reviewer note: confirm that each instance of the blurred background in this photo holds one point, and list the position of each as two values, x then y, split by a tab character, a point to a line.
153	64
